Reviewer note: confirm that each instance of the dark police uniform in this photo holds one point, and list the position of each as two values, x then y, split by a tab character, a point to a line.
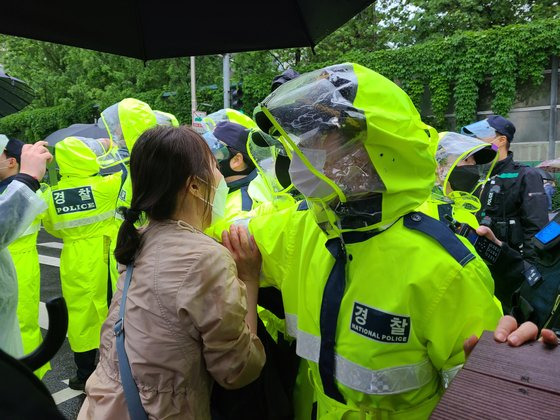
514	204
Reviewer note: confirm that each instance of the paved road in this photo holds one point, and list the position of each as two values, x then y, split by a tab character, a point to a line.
63	368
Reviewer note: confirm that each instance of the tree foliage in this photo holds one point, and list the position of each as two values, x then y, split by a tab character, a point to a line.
435	55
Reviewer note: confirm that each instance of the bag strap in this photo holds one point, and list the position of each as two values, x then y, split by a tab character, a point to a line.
135	408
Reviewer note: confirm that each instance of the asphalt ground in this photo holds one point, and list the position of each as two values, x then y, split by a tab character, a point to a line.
63	368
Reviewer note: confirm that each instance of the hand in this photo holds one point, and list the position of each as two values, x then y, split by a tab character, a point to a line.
34	158
507	330
245	252
487	232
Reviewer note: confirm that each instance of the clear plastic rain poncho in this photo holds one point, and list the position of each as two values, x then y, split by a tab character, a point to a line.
464	164
19	206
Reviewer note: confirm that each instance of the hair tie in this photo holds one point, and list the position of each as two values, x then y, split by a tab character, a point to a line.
129	214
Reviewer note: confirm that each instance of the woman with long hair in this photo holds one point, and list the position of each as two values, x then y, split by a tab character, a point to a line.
190	314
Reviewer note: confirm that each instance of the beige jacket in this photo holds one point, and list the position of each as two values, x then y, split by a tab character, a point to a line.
184	325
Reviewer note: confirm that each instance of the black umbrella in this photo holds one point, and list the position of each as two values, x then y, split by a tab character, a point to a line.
15	94
147	30
91	131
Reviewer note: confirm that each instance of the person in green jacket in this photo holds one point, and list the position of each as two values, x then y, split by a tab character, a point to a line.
81	212
26	261
379	297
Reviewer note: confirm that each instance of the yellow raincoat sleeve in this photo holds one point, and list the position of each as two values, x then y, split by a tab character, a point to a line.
274	235
462	307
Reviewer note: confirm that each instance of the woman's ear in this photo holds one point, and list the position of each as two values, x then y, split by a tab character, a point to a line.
193	187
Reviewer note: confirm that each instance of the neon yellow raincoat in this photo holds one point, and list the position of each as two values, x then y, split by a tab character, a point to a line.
125	121
379	297
81	212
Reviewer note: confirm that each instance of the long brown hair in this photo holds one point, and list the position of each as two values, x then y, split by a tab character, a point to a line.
163	159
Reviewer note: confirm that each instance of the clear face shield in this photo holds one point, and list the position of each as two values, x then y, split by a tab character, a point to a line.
464	164
163	119
107	155
218	148
324	133
211	120
271	161
112	122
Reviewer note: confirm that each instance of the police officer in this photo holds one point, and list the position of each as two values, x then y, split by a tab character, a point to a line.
125	121
356	270
19	206
229	145
514	203
81	212
463	165
26	260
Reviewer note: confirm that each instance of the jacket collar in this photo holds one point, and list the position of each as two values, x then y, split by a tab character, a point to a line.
4	184
503	164
240	183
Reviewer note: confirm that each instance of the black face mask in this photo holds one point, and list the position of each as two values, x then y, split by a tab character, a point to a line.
226	170
464	178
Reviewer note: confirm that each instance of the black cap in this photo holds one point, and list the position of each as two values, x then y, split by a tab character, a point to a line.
502	126
13	149
232	134
280	79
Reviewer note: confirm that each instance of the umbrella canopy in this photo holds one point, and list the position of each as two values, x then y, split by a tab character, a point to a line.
92	131
15	94
552	165
147	30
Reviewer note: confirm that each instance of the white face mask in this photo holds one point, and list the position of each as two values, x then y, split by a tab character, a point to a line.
304	180
219	201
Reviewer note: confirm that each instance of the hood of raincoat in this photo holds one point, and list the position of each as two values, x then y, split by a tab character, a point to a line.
75	158
357	142
453	148
126	120
227	114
